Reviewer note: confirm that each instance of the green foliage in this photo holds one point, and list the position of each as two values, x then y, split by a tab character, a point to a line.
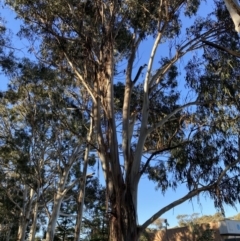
145	236
8	219
192	7
95	222
186	220
39	133
236	217
200	227
6	51
202	235
38	239
64	230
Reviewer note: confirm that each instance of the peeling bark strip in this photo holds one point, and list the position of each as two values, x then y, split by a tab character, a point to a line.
112	155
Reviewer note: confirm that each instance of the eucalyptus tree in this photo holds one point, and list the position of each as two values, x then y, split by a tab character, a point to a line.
94	217
16	166
41	139
9	213
196	132
24	141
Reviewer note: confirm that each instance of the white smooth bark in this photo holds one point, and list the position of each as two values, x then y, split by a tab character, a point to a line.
53	219
28	197
34	222
143	129
62	190
81	197
135	172
21	228
234	10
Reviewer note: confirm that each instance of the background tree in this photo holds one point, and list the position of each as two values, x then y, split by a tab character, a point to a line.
40	142
95	220
9	219
207	234
236	217
185	220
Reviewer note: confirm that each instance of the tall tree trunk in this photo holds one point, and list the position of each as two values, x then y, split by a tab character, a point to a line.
123	223
34	222
128	215
22	228
54	216
81	197
128	229
25	213
60	194
78	225
130	223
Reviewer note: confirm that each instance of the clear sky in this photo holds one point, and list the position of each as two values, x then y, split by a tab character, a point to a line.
150	200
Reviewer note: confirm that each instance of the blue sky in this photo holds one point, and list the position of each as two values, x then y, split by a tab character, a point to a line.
150	200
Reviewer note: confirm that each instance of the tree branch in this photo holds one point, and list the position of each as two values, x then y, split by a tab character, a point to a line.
126	140
158	152
11	199
172	205
88	88
230	165
186	197
216	46
74	183
156	77
145	110
189	46
138	73
164	120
